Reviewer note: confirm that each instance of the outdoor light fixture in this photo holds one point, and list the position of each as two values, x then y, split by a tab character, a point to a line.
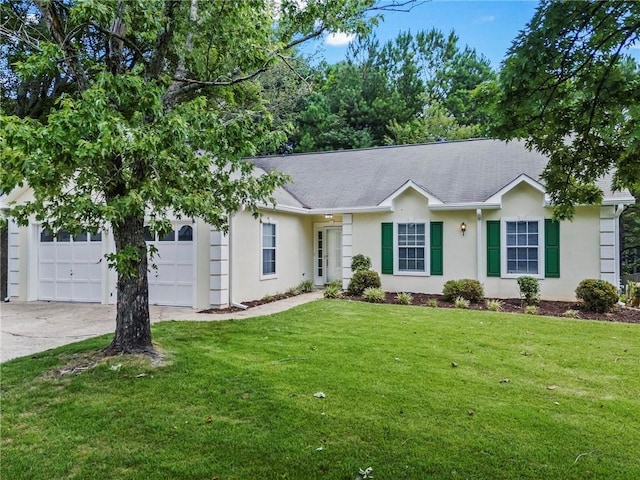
328	216
463	228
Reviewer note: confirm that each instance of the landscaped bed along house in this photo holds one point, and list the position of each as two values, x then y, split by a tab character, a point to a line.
425	214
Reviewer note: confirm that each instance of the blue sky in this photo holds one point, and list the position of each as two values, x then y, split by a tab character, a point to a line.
487	26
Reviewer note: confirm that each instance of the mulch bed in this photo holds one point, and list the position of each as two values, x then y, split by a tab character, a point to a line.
511	305
514	305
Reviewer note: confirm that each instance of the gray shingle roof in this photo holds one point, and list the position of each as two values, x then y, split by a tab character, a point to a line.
455	172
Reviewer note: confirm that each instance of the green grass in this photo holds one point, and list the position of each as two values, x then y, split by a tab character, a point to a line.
236	400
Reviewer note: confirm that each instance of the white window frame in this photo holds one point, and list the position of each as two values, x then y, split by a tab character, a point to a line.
427	249
268	276
503	247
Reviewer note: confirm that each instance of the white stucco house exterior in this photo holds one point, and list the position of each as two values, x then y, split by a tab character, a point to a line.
425	214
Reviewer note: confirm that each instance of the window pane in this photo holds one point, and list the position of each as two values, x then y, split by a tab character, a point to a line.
168	237
512	253
185	234
268	261
46	236
148	236
511	239
522	227
63	236
80	237
533	227
96	236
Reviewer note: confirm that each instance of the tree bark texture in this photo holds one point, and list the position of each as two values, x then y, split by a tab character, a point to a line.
133	325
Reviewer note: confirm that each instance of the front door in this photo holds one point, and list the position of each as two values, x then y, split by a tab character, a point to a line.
333	255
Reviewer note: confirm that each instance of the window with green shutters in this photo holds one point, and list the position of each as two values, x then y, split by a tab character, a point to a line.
493	248
437	267
551	248
387	248
521	245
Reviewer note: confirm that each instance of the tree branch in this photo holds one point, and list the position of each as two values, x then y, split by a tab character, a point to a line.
56	28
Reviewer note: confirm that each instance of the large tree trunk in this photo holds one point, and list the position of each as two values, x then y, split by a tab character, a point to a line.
133	326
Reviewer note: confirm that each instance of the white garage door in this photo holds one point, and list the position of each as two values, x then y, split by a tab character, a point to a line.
172	282
70	267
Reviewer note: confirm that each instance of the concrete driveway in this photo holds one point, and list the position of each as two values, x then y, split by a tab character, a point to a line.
31	327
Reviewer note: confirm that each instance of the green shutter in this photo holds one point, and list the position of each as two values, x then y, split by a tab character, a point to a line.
493	248
436	248
551	248
387	248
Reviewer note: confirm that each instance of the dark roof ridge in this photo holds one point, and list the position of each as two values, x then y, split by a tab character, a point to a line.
379	147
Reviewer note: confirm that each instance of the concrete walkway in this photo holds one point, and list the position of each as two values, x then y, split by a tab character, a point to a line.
31	327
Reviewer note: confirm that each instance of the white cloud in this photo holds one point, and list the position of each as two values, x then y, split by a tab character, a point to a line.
485	19
339	39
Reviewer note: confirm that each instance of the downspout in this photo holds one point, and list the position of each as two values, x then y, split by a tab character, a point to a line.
479	255
230	239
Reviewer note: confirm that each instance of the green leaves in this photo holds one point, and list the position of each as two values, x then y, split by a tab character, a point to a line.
567	88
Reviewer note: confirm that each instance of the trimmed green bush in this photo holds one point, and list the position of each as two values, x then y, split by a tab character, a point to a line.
529	290
360	262
363	279
598	295
373	295
466	288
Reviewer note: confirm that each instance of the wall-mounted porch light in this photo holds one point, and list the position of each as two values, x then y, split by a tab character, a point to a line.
328	216
463	228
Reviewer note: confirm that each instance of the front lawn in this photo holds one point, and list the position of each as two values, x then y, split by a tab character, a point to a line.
413	392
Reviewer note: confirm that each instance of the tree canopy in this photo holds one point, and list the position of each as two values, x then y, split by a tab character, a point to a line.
391	92
571	90
125	113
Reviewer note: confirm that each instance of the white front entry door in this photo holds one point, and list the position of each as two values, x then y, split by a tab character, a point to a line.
333	255
172	282
70	267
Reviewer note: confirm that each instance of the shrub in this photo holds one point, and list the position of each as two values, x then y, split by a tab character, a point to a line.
404	298
374	295
632	294
461	302
332	291
494	305
363	279
360	262
598	295
292	292
432	302
529	290
305	286
466	288
531	310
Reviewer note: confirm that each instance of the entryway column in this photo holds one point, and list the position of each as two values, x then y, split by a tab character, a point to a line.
347	248
218	269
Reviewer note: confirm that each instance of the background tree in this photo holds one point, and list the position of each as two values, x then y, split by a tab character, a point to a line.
380	91
127	111
572	92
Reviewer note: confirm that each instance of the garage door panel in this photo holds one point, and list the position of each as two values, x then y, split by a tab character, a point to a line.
64	252
47	252
63	271
184	253
47	271
63	291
